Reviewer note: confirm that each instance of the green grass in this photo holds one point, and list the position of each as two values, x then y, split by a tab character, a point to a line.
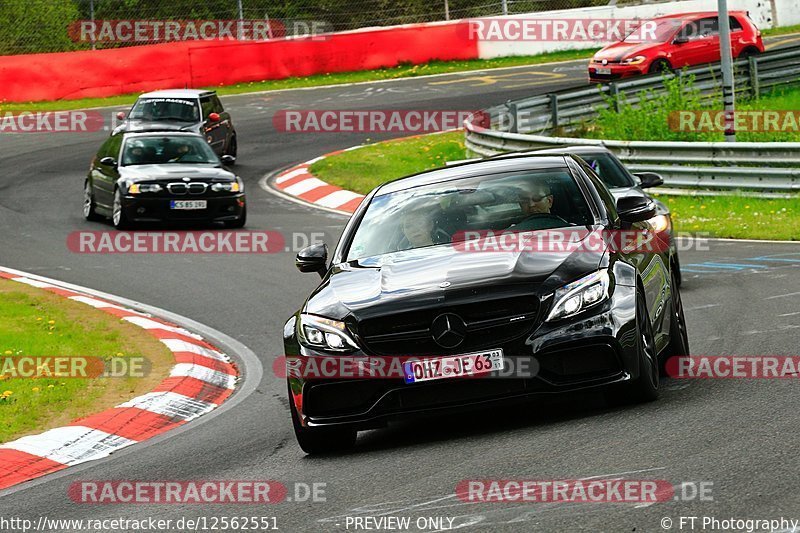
770	32
736	217
364	169
402	71
650	121
37	323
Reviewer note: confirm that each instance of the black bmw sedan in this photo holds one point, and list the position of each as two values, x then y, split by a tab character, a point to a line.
418	276
162	176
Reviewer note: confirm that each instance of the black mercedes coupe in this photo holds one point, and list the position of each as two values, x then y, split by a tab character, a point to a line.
491	282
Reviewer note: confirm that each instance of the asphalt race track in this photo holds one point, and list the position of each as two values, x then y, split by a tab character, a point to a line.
741	298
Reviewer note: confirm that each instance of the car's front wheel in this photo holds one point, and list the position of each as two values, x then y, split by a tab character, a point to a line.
645	388
678	335
118	217
233	148
89	212
659	66
317	441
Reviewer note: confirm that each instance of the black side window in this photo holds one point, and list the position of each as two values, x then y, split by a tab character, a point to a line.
207	105
114	145
217	104
605	195
110	148
105	149
700	28
735	26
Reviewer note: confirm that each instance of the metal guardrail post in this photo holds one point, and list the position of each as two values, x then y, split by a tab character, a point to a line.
753	71
614	90
554	109
513	113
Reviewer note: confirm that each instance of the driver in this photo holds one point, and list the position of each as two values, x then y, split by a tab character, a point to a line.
182	150
136	155
419	228
535	202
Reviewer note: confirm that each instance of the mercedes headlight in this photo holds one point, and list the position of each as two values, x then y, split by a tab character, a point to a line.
660	223
580	295
325	334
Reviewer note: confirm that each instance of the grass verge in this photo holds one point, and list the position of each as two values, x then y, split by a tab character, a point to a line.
650	121
736	217
339	78
717	216
771	32
364	169
39	323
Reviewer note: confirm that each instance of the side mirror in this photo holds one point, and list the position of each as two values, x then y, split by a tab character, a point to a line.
313	259
633	209
109	162
227	159
121	115
650	179
680	40
213	117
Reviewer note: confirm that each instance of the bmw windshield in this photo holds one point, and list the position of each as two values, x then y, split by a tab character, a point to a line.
163	150
432	215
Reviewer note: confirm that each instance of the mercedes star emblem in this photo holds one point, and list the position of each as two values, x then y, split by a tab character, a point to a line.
448	330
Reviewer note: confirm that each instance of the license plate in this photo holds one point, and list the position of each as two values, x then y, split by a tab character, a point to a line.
455	366
604	71
188	204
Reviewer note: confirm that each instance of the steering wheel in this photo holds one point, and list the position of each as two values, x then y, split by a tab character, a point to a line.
542	216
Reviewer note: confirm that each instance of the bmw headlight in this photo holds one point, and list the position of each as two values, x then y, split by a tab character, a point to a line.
580	295
232	186
324	334
141	188
637	60
660	223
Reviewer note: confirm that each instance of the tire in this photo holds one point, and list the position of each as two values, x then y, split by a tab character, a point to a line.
320	441
239	222
644	388
749	52
678	336
118	217
659	66
233	148
89	212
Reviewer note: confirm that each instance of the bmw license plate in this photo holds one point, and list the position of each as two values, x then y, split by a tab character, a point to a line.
472	364
604	71
188	204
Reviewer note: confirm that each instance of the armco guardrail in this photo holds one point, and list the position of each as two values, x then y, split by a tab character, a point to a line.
759	166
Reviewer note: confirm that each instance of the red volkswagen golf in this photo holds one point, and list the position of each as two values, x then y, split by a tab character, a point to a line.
671	42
